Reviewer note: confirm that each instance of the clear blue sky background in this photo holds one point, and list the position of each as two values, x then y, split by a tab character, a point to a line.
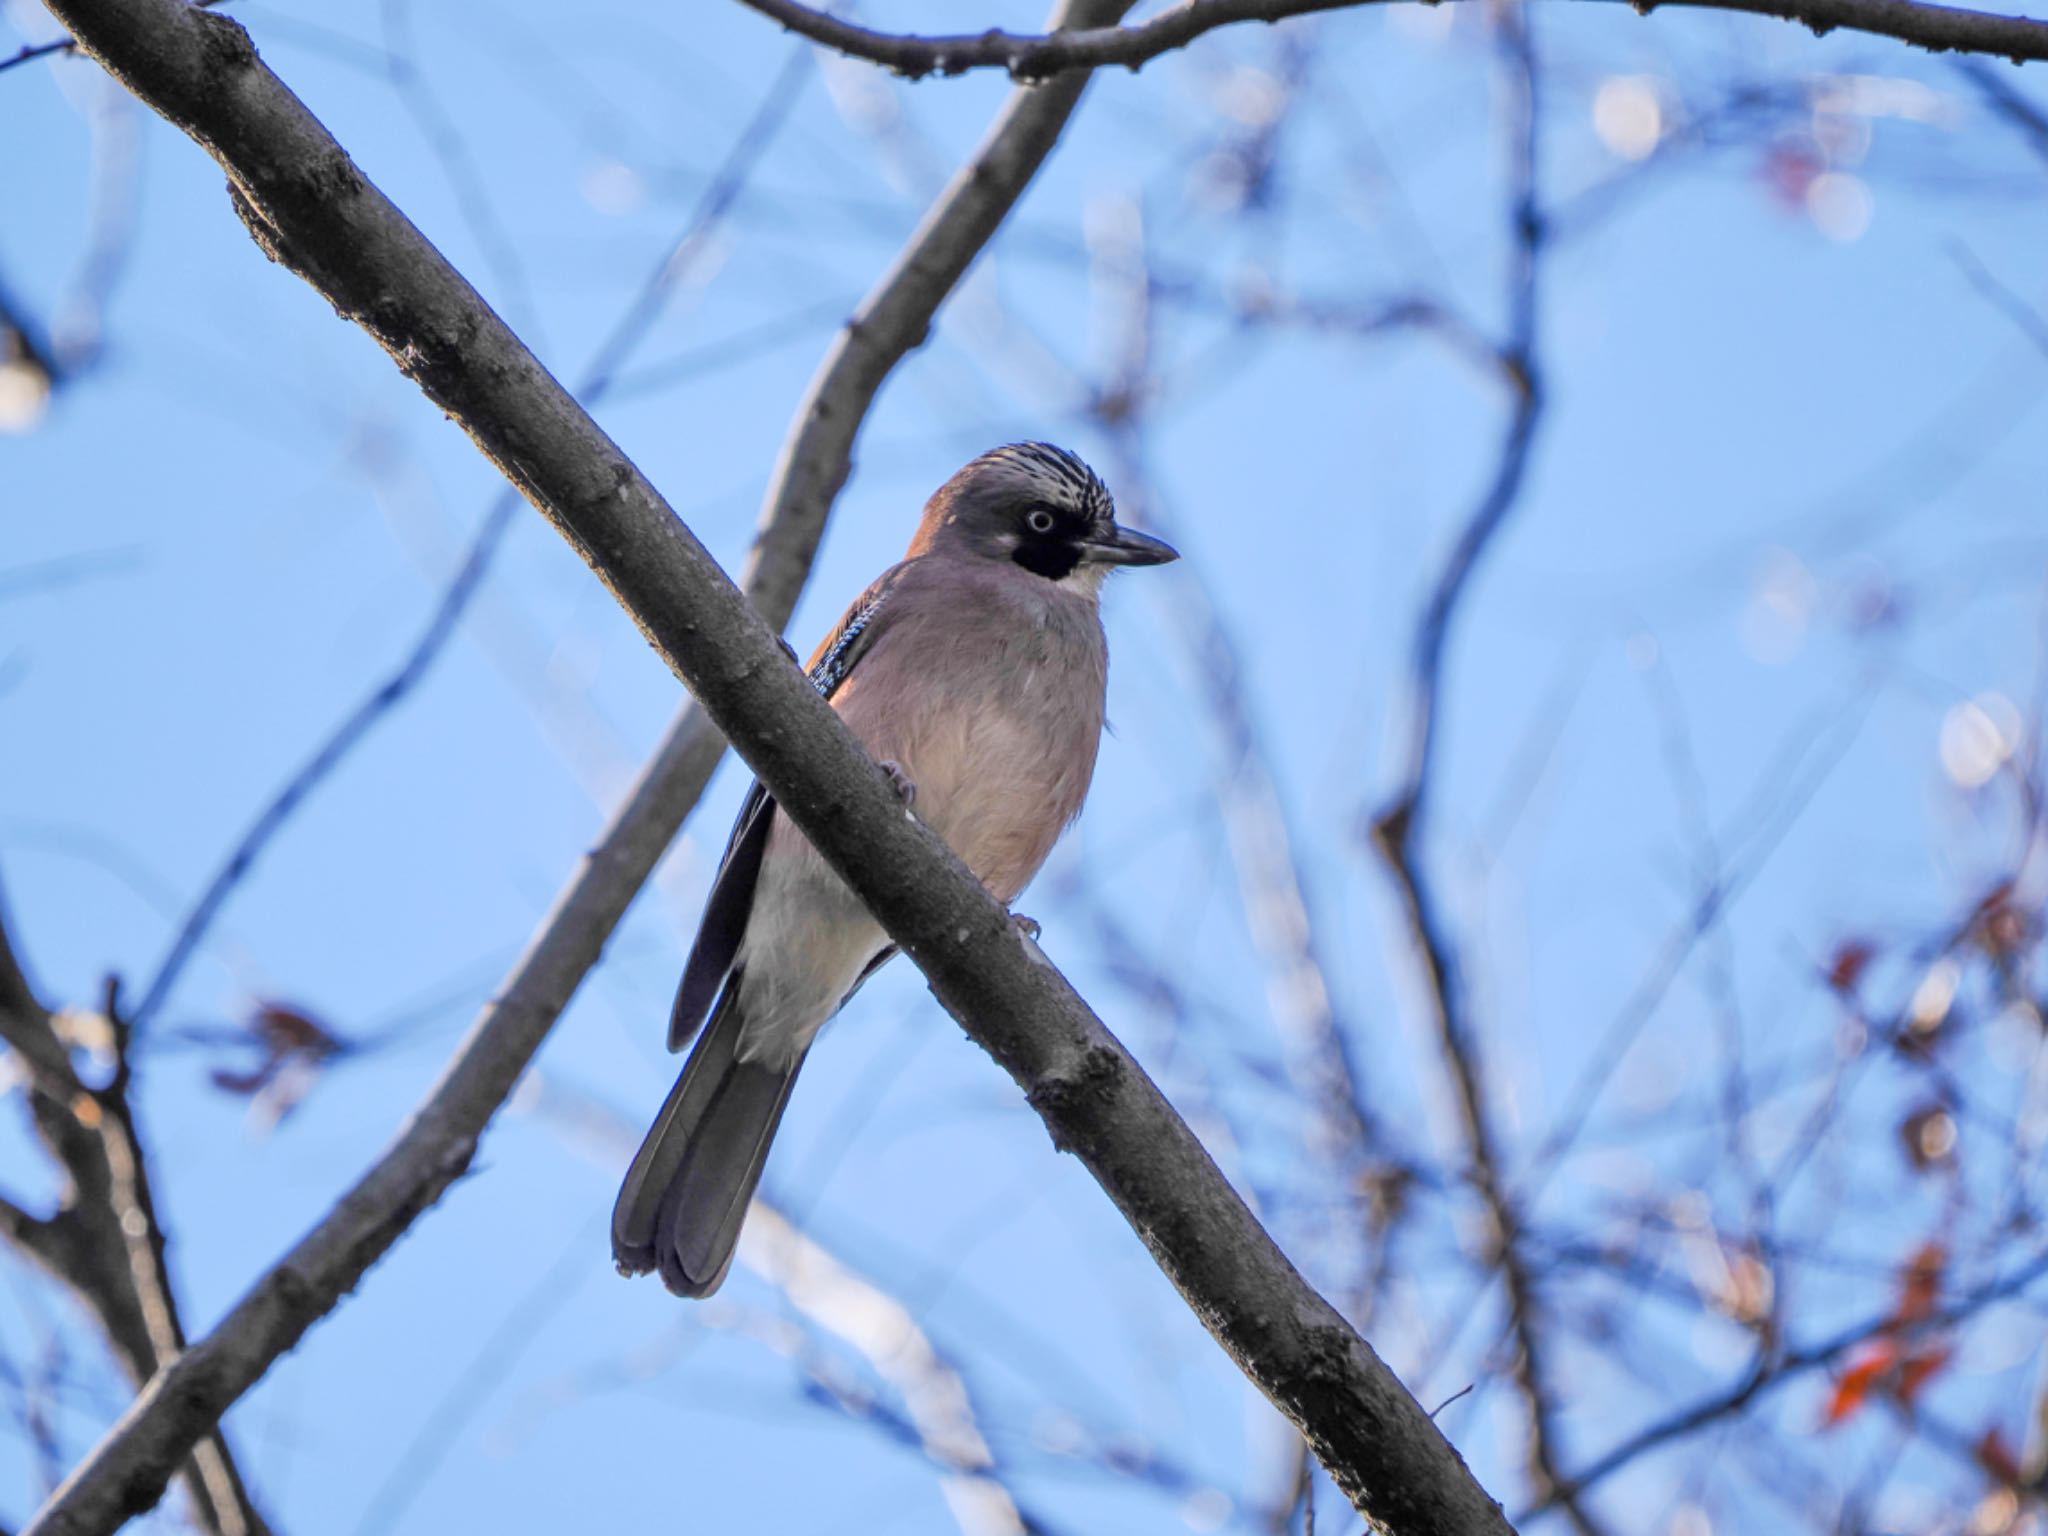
1754	426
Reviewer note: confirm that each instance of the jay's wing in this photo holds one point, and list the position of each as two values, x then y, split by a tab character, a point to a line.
732	894
725	918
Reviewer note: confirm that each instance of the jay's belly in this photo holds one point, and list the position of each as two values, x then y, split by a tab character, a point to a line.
998	788
997	777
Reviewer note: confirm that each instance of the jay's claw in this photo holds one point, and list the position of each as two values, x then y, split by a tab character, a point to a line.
1030	927
905	789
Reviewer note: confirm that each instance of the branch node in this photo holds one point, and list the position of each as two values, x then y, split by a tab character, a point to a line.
1389	830
1076	1092
225	39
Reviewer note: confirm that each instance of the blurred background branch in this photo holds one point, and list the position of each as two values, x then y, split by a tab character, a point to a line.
104	1242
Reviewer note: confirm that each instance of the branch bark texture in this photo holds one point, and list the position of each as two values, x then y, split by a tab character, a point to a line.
1042	55
314	211
104	1242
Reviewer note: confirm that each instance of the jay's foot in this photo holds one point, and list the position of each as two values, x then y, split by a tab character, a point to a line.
1030	927
905	790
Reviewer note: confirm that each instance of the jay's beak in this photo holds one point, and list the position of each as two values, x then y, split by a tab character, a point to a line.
1129	547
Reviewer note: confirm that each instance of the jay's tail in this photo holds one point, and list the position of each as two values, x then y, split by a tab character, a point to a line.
687	1191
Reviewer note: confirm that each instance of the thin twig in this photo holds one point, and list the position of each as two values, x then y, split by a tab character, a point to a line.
327	757
2019	109
1396	829
1039	56
64	45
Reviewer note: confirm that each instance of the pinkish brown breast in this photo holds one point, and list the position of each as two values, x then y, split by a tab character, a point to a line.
987	686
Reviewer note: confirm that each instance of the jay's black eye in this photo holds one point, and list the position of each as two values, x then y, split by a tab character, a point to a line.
1040	521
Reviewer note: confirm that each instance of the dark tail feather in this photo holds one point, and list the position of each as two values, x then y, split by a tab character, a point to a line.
687	1191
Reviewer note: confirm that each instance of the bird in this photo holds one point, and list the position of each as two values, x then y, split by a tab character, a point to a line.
975	672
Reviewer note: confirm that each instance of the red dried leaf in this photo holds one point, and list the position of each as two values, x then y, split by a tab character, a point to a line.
1920	1284
1854	1386
292	1048
289	1029
1851	960
1998	1460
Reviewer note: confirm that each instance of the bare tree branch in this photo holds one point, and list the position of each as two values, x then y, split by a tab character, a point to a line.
325	758
32	51
1039	56
936	1401
2027	320
312	209
105	1243
1396	829
611	355
25	1024
2019	109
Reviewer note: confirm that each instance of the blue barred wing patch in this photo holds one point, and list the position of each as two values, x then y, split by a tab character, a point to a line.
832	667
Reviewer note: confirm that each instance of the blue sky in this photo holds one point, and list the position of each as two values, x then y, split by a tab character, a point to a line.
1756	429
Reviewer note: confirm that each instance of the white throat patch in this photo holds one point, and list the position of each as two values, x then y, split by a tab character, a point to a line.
1085	579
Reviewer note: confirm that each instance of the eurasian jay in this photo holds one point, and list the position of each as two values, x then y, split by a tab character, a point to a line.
974	672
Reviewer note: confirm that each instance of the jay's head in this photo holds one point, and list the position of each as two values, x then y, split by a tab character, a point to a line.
1040	508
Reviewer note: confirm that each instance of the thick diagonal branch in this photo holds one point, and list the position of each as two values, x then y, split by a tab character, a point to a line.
450	608
313	209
